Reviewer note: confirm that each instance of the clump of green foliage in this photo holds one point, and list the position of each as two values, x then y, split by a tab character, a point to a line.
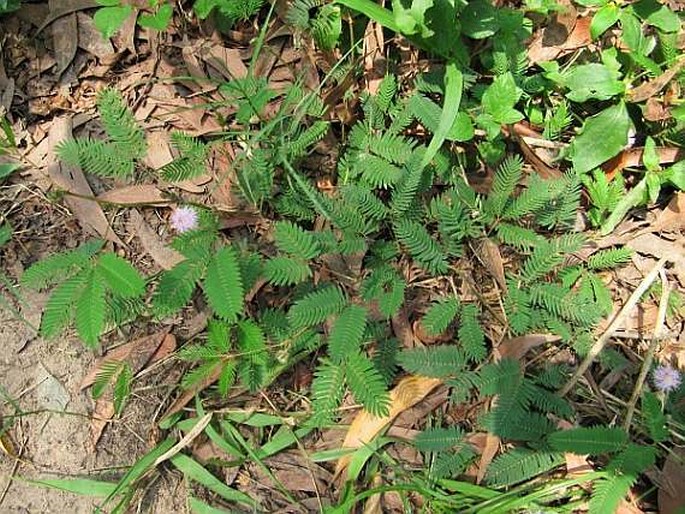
335	269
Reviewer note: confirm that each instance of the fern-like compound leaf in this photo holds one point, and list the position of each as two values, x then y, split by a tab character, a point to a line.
433	361
520	238
471	336
316	307
175	288
293	239
97	157
450	464
285	271
57	267
440	315
327	392
122	388
438	439
607	493
105	374
608	259
521	464
347	332
414	236
120	124
367	384
541	262
59	309
405	192
120	277
226	377
223	284
507	177
90	309
191	161
253	356
654	417
588	440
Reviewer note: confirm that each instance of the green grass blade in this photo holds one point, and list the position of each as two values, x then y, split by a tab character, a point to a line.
80	486
373	11
200	507
195	472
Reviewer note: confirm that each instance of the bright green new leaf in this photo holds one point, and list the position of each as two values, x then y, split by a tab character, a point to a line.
80	486
675	175
200	507
90	310
636	196
592	81
657	15
603	136
603	19
650	157
479	19
110	19
412	20
7	168
158	21
500	98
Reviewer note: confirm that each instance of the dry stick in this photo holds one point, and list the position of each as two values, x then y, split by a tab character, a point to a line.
613	326
647	364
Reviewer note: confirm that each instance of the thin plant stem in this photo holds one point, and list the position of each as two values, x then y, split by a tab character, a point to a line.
649	358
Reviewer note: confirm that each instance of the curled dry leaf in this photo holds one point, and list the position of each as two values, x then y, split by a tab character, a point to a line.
633	157
652	87
517	347
672	218
139	194
163	255
407	393
672	478
488	253
490	448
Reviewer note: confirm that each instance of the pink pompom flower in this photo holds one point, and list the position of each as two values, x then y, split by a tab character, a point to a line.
666	378
184	219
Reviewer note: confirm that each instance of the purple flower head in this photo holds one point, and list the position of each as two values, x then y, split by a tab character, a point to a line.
184	219
666	378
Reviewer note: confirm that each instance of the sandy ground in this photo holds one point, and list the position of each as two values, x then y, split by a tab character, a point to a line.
39	380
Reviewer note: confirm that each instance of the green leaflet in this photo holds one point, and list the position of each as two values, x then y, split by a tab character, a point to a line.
603	136
223	284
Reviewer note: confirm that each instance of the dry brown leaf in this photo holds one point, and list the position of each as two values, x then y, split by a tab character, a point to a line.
190	393
517	347
373	504
489	255
227	61
139	194
64	37
125	37
102	414
649	89
90	38
407	393
137	353
402	329
655	111
490	448
59	9
7	445
674	251
672	218
159	149
672	477
72	180
546	46
165	256
633	158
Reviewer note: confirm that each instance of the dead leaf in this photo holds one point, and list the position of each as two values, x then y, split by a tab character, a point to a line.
7	445
373	504
226	61
292	470
102	414
125	37
652	87
139	194
489	255
190	393
545	47
72	180
407	393
62	8
402	329
633	158
90	38
672	218
165	256
64	37
137	353
159	149
517	347
492	444
674	251
655	111
672	477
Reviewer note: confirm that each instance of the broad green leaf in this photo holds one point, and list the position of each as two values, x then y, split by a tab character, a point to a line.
462	128
500	98
203	7
479	19
412	20
592	81
675	175
7	168
120	276
603	136
592	3
371	10
603	19
653	186
80	486
657	15
195	472
650	157
110	19
158	21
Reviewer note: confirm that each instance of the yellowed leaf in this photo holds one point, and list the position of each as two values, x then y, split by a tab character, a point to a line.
366	426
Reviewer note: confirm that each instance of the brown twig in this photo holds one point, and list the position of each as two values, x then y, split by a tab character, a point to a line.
613	326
